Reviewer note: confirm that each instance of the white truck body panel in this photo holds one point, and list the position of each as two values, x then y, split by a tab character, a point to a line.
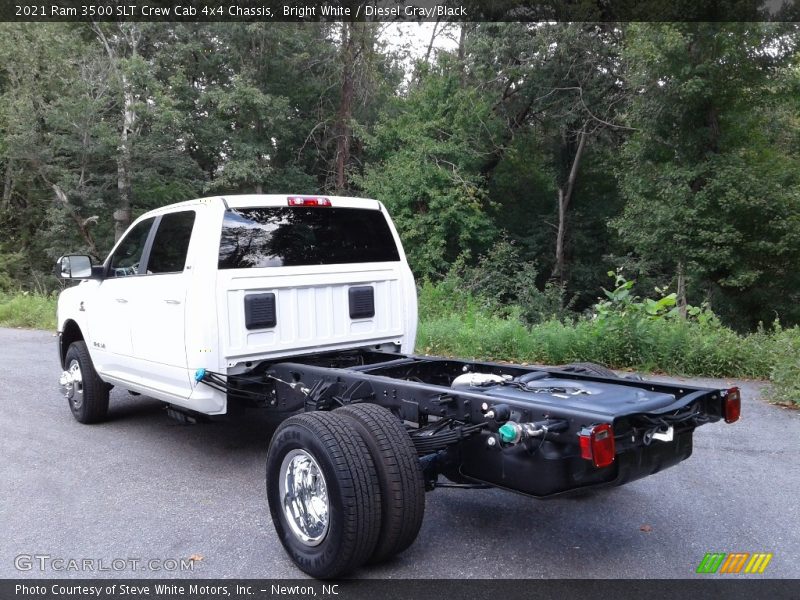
149	333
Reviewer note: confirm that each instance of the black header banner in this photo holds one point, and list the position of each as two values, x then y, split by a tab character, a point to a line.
399	10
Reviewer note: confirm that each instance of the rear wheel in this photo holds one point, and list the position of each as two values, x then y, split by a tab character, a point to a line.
86	393
323	494
590	369
399	474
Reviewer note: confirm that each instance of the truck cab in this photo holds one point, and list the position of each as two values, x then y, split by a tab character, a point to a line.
224	283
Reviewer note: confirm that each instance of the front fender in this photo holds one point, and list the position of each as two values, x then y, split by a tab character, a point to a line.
71	322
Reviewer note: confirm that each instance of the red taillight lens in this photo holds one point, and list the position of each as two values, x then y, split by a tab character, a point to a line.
597	444
732	405
308	201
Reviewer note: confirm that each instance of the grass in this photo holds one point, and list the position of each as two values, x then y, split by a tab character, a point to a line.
29	310
671	346
675	348
785	373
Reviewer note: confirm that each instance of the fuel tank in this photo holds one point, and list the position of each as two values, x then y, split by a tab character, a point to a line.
543	389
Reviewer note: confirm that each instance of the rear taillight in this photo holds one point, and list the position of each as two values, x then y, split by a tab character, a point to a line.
597	444
308	201
732	405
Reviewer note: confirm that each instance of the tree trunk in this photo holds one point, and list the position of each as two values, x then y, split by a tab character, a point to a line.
564	199
344	115
8	185
462	54
122	216
462	46
433	37
681	291
558	269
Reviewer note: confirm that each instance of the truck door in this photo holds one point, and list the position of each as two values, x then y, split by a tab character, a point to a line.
158	312
109	312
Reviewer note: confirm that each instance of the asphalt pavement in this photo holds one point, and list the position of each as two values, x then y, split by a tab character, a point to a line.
146	491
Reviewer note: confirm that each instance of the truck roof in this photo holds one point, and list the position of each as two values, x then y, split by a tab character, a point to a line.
248	200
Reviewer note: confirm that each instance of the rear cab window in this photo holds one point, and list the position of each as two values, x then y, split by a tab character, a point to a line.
284	236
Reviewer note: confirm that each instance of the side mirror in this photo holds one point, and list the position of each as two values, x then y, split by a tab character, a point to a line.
74	266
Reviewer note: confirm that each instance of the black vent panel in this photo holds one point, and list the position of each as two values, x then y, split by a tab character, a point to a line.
362	302
259	311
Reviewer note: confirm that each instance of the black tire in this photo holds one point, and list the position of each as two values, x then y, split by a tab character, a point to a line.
590	369
352	493
88	400
399	474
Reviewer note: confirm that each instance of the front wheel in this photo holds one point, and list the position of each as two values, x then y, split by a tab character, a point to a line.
323	493
86	393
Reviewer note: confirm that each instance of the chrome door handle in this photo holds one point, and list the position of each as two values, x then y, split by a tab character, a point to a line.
172	301
122	300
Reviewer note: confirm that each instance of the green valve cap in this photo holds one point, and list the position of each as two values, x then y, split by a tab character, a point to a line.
508	433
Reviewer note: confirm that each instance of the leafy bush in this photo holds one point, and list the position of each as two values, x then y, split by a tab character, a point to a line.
623	332
620	302
785	374
506	284
28	309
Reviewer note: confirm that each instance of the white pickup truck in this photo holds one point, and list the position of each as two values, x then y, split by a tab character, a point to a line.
305	306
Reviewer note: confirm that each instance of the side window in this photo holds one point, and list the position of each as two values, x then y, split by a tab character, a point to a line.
171	244
128	254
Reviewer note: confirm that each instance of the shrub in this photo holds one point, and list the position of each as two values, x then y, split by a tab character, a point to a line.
28	309
507	284
621	333
785	374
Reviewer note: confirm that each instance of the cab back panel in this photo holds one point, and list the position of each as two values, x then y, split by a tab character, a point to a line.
312	310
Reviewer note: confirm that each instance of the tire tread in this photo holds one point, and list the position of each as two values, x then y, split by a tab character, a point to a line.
95	391
400	474
359	488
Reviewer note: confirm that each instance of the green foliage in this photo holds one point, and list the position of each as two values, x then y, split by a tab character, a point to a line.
454	322
710	176
426	168
223	108
785	373
506	284
621	302
672	346
12	269
691	161
27	309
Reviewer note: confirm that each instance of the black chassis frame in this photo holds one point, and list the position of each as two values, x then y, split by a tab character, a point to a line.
417	390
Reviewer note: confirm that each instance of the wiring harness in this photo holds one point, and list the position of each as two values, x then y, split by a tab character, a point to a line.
219	382
662	423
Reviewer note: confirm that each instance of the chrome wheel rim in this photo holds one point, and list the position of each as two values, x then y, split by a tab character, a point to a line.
304	497
72	382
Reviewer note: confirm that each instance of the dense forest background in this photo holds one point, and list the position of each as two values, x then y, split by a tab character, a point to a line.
526	161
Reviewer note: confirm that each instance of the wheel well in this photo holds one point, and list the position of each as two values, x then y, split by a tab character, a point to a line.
72	333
